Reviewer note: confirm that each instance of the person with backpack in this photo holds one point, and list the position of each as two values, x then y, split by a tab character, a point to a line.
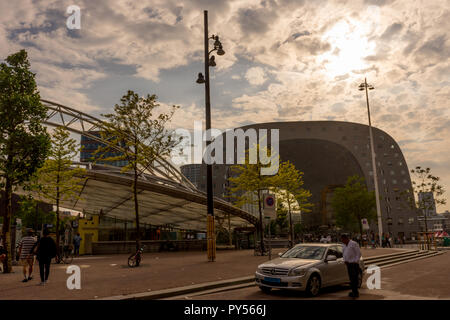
45	252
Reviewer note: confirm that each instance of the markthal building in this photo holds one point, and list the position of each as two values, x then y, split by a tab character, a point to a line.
328	152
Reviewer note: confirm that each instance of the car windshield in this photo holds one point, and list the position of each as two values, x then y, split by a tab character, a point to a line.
305	252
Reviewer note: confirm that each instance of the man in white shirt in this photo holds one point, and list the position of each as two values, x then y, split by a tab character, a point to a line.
352	255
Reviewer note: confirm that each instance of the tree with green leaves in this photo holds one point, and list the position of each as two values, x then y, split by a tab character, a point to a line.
24	142
428	191
140	135
288	184
58	180
247	183
32	215
353	202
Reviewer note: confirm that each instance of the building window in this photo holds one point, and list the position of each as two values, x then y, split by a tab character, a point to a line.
382	138
400	220
370	173
411	220
405	181
400	163
394	181
392	146
380	146
367	164
396	155
355	147
403	172
386	154
392	172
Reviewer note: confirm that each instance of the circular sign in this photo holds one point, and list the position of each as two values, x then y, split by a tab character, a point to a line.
270	201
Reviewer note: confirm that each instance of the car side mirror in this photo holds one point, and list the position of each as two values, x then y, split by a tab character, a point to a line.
331	258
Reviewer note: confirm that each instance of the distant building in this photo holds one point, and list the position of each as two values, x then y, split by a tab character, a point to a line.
427	199
328	152
195	173
90	146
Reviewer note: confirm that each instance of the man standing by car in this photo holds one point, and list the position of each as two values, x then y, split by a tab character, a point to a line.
352	255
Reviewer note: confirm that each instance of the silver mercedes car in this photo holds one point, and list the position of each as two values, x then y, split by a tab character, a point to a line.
306	267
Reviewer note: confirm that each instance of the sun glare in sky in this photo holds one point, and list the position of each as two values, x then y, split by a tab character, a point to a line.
349	47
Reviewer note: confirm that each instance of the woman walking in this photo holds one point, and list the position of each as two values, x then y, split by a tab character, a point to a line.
45	251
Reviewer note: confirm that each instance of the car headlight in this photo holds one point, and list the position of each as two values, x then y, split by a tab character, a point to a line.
259	269
298	272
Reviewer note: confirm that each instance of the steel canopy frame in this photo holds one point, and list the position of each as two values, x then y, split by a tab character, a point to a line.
162	178
89	124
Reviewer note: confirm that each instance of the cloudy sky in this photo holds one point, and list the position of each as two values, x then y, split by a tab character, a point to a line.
285	60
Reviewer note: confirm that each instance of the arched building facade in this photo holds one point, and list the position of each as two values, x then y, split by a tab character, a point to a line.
328	152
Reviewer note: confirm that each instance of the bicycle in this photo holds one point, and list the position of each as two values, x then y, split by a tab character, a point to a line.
135	259
65	256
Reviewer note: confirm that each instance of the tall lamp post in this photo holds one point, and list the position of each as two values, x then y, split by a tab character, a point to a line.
366	87
209	62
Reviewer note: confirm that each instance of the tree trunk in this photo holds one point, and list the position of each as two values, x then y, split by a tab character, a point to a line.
229	230
261	228
291	229
360	226
6	230
136	210
57	215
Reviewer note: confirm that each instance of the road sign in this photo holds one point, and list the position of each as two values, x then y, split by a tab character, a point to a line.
365	224
269	206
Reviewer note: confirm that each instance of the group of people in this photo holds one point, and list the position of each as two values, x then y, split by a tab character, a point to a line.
372	239
43	249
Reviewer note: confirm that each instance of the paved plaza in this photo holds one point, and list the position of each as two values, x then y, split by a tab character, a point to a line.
425	279
105	276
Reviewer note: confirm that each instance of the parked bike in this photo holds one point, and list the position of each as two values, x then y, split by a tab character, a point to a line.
135	259
65	255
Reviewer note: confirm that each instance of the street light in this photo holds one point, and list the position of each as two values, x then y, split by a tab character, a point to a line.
366	87
209	62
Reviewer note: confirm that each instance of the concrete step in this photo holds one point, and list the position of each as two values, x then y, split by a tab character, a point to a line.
391	256
402	259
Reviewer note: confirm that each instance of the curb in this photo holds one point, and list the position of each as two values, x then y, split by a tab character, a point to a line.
165	293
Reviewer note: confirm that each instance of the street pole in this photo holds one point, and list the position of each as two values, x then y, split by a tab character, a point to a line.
211	243
374	167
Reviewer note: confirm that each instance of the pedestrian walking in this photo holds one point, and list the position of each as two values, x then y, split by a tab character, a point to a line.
45	252
352	255
26	256
2	255
76	244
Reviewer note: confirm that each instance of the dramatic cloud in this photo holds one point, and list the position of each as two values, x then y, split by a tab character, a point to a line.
285	60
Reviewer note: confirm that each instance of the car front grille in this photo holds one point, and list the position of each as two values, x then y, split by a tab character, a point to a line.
275	271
